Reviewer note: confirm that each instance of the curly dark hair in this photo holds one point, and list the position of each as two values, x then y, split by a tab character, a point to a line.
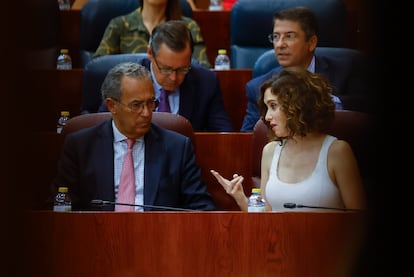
305	97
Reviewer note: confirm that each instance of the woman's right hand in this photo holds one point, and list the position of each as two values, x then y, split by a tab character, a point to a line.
233	187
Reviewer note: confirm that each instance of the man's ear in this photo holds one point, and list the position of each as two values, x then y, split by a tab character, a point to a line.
313	42
149	51
110	104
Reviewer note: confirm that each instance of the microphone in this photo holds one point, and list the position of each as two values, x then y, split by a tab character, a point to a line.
294	205
99	202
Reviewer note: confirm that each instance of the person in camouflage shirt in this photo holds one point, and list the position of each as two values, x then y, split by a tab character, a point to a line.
130	33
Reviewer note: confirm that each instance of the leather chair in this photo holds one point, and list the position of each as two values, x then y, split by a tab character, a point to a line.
169	121
267	61
356	128
95	16
251	21
93	75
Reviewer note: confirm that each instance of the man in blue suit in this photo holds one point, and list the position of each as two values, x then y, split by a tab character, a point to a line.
294	40
165	169
194	91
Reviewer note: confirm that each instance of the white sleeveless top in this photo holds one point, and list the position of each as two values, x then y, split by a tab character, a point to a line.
315	190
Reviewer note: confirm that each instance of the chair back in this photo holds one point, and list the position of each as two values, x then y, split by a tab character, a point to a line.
95	16
251	21
267	61
352	126
169	121
94	74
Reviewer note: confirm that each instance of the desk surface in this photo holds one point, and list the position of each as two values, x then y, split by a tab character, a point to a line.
192	244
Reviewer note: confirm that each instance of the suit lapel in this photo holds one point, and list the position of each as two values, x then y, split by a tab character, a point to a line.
153	165
105	180
187	96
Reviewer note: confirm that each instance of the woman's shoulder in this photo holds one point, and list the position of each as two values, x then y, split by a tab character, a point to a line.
270	147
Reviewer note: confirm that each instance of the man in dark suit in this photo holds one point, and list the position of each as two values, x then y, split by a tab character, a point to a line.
194	91
165	169
294	40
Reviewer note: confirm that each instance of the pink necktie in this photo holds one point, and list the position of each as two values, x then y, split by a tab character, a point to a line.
164	105
126	192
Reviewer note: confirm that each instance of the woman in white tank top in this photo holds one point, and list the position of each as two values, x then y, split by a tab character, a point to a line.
301	163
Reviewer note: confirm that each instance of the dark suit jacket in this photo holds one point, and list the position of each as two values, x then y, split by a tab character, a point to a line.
201	100
351	84
171	176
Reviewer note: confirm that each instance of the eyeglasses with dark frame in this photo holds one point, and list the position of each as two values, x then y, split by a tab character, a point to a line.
138	106
169	71
289	36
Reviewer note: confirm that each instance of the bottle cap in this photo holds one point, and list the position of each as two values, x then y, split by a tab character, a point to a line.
222	51
64	113
63	189
256	190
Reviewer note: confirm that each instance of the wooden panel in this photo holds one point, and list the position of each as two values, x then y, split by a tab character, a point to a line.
57	90
231	244
233	86
215	28
70	34
228	153
42	156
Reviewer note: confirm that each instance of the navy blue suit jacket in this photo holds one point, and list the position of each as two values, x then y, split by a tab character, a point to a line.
201	100
351	84
171	176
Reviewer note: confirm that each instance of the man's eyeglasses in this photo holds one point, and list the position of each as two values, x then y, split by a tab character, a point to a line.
168	71
138	106
289	36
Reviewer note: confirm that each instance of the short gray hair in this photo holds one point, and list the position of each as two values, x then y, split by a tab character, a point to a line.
111	86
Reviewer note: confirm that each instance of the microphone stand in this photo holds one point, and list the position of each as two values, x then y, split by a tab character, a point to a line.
294	205
98	202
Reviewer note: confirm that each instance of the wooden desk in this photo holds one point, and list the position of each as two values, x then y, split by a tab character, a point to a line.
231	244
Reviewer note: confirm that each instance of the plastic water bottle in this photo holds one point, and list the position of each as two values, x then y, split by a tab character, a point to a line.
62	202
256	202
64	117
64	4
64	61
222	61
215	5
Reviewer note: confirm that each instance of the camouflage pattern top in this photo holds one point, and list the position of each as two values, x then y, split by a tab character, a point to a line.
128	34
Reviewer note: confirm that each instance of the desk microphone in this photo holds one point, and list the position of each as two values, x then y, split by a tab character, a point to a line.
99	202
294	205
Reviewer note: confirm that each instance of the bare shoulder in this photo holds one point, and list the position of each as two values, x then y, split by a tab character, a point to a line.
269	148
340	149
